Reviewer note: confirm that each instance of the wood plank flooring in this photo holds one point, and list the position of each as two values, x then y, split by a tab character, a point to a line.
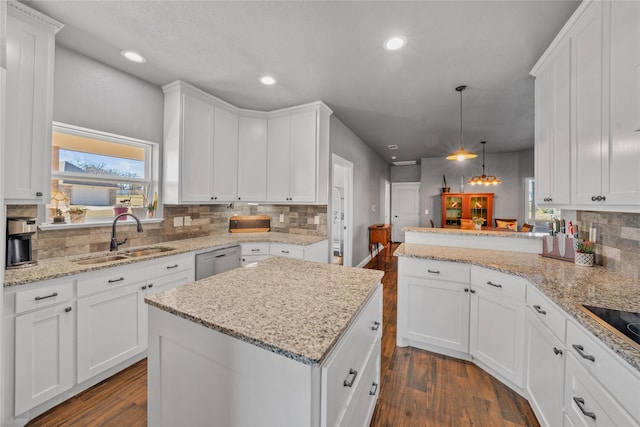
418	388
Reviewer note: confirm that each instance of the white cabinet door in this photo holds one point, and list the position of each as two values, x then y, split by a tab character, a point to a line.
621	177
304	155
110	329
29	104
278	159
434	312
225	156
589	132
196	150
497	333
43	355
544	371
553	128
252	159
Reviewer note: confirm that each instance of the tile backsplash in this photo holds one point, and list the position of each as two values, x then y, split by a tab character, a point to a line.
617	239
205	220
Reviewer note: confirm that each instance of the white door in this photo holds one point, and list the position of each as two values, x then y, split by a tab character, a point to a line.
405	207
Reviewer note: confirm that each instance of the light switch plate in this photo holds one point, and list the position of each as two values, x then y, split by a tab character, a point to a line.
187	220
426	211
281	217
178	221
316	220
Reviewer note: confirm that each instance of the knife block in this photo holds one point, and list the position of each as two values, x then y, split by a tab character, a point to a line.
559	247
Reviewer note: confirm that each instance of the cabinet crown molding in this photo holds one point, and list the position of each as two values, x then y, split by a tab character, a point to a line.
15	7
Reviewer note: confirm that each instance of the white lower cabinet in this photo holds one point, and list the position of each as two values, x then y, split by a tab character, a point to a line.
43	355
544	371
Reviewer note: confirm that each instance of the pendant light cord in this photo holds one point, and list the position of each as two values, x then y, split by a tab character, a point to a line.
462	88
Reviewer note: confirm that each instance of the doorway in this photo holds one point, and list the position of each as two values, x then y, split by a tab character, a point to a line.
405	208
387	202
341	211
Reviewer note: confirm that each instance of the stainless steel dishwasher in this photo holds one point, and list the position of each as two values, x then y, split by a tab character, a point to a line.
217	261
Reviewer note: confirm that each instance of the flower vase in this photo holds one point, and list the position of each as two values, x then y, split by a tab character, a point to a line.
76	218
120	210
585	260
477	226
150	214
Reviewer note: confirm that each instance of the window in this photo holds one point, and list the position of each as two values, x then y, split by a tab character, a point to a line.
97	172
533	213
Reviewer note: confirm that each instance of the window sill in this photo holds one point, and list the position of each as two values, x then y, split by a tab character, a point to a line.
94	224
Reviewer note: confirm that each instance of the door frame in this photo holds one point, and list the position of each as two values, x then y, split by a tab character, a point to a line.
347	254
387	201
395	185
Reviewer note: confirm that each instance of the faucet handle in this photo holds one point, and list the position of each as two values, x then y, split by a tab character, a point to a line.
123	242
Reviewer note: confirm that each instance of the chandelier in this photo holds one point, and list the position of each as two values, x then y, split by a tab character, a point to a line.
484	179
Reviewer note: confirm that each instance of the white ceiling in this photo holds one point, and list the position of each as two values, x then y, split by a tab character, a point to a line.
332	51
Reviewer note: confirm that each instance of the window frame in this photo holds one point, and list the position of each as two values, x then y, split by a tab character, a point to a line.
150	180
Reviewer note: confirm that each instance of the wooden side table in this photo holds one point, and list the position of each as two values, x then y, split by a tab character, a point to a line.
380	233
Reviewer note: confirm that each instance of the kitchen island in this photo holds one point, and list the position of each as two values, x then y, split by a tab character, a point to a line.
287	342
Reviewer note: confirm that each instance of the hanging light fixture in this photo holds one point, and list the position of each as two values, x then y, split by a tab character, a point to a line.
461	154
484	179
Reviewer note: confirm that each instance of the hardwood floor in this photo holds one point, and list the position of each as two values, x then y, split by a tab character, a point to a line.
418	388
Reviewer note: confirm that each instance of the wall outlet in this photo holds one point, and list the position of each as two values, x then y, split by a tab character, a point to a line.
281	217
178	221
316	220
187	220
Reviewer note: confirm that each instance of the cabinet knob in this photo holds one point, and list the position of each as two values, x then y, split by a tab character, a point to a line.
376	326
144	287
150	285
466	289
214	198
557	351
539	310
472	291
239	198
38	193
68	309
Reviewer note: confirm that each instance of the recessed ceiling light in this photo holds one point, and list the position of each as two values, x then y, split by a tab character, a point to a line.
395	43
393	157
267	80
133	56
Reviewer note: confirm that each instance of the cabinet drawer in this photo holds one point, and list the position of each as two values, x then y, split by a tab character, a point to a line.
617	379
43	296
504	284
110	278
588	404
439	270
168	265
287	251
346	363
547	312
363	402
249	259
255	248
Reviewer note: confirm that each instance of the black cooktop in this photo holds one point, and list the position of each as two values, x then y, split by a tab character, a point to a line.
625	322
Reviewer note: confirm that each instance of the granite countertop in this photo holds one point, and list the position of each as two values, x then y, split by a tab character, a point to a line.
291	307
562	282
482	232
65	266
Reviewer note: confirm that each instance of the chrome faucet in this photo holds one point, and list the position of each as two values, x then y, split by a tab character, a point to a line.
114	241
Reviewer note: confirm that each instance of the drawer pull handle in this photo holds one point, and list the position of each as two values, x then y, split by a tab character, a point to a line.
68	309
348	383
580	402
374	389
55	294
150	285
255	250
580	350
285	252
376	326
472	291
433	271
169	267
557	351
539	310
116	280
497	285
221	255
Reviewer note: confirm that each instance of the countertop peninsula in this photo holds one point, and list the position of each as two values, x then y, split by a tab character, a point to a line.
562	282
65	266
474	232
295	308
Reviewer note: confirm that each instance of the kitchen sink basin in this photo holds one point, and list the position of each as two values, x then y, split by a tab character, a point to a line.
147	251
101	260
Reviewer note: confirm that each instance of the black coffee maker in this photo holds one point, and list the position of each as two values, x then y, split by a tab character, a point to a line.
19	232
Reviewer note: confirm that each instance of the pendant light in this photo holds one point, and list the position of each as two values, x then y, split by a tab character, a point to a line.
484	179
461	154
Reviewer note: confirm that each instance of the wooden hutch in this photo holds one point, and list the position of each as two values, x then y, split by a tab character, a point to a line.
459	208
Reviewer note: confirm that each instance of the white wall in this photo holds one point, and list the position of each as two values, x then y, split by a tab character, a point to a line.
511	168
369	173
91	94
409	173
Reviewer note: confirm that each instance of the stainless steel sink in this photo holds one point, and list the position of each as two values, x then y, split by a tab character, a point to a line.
147	251
101	259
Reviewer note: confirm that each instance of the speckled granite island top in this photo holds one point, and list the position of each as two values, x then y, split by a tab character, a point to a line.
483	232
295	308
562	282
66	266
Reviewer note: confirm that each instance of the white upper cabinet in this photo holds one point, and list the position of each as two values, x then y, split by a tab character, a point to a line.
553	128
252	159
602	40
215	152
29	103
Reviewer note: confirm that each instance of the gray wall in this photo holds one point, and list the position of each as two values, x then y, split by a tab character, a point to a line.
409	173
90	94
511	168
369	174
